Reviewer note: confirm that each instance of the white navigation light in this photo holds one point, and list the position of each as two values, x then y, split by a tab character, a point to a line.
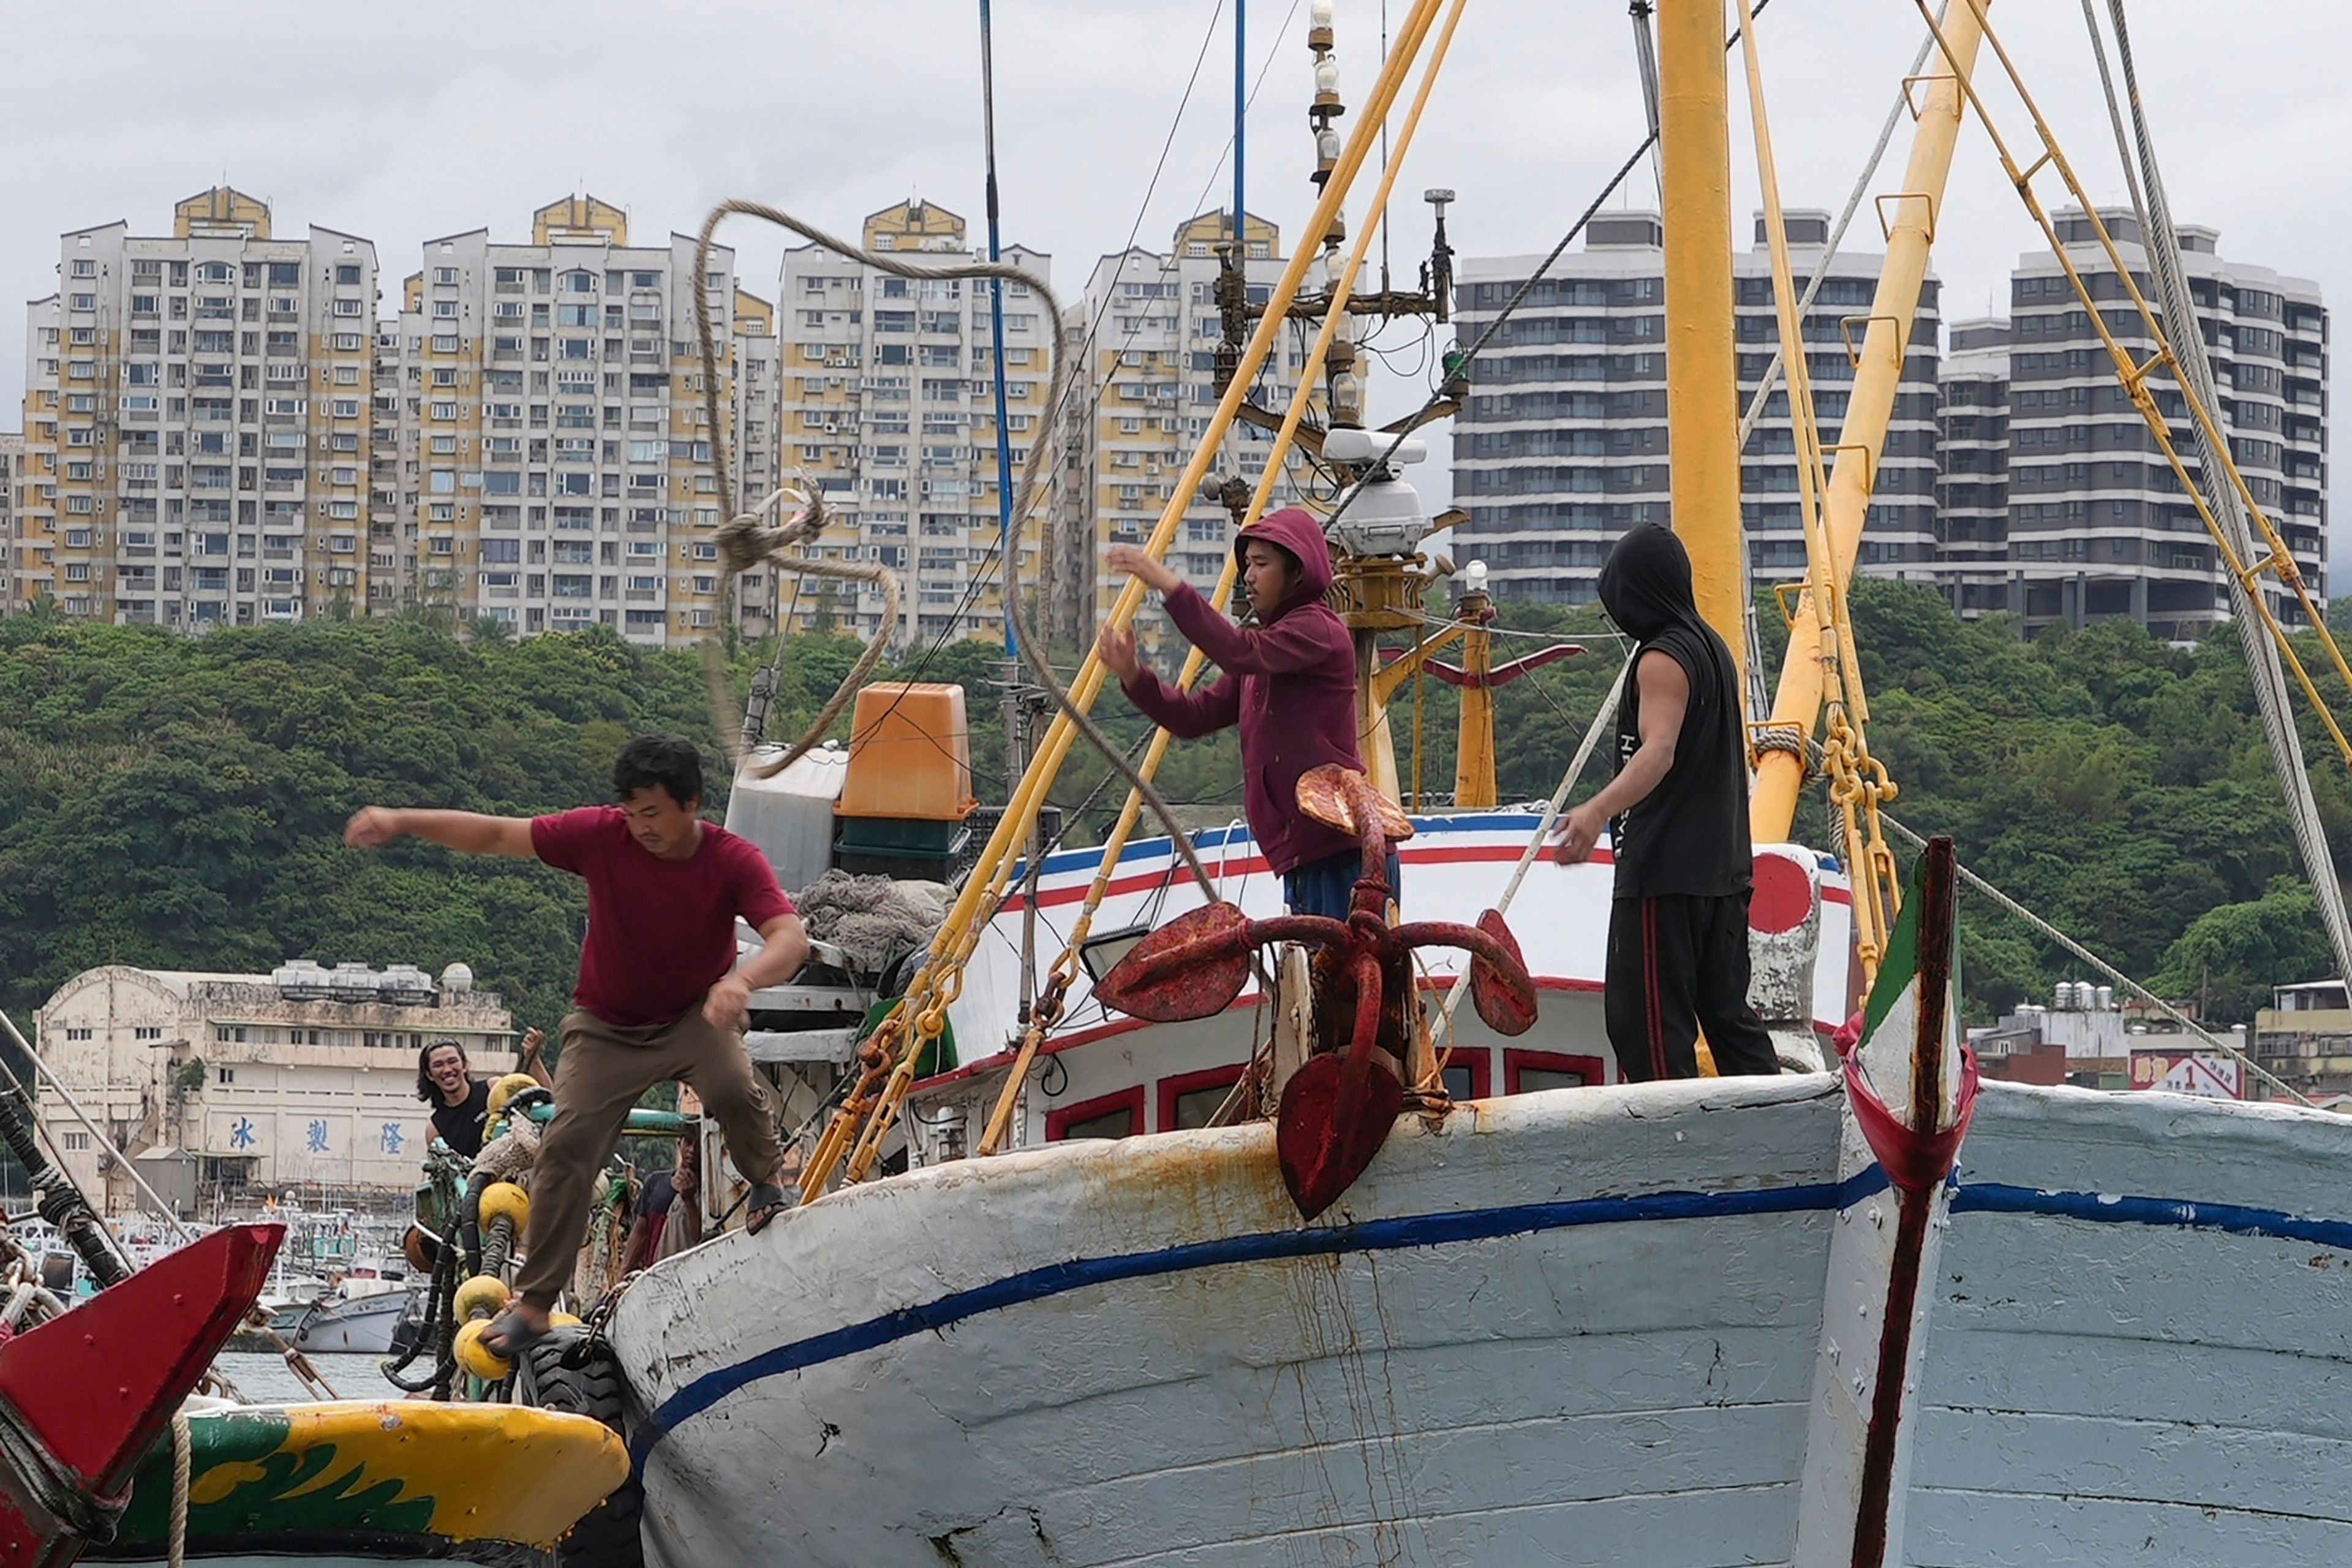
1473	577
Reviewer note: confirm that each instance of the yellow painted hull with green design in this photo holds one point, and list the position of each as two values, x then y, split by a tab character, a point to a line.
397	1481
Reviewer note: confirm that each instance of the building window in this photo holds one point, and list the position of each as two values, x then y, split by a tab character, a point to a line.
77	1143
78	1033
225	1075
147	1031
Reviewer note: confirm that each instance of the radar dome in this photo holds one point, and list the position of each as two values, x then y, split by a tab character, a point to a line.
458	977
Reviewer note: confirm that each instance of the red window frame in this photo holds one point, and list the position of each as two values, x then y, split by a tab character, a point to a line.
1549	1061
1058	1121
1184	1083
1480	1061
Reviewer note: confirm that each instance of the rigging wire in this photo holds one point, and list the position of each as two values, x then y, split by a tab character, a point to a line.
1478	345
2194	371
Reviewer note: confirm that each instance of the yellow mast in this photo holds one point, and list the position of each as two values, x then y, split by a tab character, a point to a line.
1702	370
1908	217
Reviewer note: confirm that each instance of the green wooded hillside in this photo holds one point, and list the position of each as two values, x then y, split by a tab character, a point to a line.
178	802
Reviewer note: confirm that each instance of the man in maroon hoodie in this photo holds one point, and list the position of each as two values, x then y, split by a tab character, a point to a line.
1289	682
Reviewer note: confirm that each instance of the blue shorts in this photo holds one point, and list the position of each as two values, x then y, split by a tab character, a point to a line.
1328	887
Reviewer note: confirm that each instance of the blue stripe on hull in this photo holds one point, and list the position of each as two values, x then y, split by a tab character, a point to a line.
1441	1229
1369	1235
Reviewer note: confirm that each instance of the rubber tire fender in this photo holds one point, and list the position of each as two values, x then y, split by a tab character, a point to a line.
565	1370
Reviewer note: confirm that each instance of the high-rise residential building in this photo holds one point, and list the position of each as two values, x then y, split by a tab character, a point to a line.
12	467
2096	524
563	460
1146	332
197	426
887	402
754	444
1562	444
1973	467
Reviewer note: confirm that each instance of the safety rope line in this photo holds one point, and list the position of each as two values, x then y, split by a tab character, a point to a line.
177	1542
2113	975
1544	825
2154	210
851	1143
1063	971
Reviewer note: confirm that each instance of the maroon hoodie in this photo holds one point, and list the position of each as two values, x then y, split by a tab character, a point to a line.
1291	684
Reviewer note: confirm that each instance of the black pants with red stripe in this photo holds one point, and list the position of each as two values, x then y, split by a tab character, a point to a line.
1678	964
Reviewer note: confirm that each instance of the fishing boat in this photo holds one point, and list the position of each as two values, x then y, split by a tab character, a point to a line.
1169	1265
108	1452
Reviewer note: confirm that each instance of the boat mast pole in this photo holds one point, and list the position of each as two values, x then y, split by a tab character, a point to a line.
1702	372
1908	217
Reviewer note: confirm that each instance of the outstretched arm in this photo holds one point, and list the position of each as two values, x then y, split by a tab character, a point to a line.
1187	715
467	832
1291	644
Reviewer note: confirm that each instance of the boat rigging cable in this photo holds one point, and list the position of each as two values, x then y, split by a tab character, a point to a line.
1918	841
2275	561
887	1069
1064	972
1461	365
2270	694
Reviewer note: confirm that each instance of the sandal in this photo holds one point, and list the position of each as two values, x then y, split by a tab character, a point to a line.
766	1202
509	1335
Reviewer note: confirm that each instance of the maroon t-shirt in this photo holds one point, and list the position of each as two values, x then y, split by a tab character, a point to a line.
660	932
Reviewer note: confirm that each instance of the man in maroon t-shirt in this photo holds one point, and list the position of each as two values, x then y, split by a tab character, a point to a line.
660	995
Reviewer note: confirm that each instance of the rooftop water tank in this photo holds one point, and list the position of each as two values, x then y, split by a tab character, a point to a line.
406	986
458	977
353	983
790	816
301	980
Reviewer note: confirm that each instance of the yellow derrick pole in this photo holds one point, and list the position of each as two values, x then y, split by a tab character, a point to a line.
1909	217
1702	366
1066	966
1857	782
851	1140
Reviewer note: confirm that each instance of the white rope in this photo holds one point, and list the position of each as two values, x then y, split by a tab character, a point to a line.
2196	375
1551	811
180	1461
2105	968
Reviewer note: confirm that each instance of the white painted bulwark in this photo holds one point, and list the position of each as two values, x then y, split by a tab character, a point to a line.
1582	1327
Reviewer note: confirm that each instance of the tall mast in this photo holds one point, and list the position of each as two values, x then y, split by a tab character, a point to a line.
1013	761
1702	370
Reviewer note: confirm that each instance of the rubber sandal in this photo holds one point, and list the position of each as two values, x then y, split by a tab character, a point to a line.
766	1202
509	1335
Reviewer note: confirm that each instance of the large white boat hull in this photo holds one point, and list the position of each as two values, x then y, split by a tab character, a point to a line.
1576	1327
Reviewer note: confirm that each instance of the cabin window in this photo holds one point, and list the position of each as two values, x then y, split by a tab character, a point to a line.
1470	1074
1189	1100
1117	1115
1528	1072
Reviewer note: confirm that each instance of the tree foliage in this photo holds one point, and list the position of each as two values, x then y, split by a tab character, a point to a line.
178	802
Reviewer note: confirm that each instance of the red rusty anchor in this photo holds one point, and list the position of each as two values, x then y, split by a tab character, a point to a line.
1337	1110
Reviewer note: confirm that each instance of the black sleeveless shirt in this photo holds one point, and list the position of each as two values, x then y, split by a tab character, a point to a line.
1689	834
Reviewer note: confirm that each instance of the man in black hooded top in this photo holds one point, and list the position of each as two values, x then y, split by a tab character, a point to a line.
1677	819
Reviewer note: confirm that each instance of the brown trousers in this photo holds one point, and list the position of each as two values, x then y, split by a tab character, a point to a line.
601	1073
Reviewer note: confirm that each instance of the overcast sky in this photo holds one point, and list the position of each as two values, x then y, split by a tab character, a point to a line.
402	123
